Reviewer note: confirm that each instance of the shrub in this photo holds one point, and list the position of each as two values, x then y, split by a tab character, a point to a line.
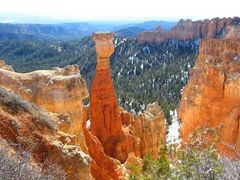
18	166
197	159
15	103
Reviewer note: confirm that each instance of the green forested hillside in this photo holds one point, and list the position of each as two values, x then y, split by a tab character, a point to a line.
142	73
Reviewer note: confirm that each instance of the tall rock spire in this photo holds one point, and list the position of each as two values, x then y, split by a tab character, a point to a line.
104	115
115	135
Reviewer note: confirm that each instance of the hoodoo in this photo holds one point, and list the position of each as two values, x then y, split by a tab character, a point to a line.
115	135
104	115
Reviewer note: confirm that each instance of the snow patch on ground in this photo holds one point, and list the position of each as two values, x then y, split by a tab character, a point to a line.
173	133
88	124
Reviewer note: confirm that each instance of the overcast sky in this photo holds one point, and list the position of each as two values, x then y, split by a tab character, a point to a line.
84	10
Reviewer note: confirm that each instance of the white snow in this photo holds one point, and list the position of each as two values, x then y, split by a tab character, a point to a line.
134	71
115	42
88	124
142	106
130	103
236	58
131	58
121	42
173	133
59	49
119	74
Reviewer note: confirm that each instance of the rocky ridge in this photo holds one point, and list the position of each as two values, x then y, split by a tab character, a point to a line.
187	30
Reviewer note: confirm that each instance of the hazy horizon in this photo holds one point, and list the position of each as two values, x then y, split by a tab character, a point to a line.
45	11
25	19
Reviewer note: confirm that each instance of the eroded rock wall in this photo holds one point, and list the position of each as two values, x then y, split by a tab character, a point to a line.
212	95
190	30
60	90
37	132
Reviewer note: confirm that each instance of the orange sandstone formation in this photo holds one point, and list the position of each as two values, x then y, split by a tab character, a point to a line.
187	29
113	137
212	96
143	134
60	90
112	134
103	167
106	127
37	131
104	116
147	130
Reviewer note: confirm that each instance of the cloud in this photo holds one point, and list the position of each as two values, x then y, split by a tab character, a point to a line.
121	9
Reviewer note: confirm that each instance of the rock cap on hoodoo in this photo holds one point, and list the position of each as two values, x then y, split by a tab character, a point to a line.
102	36
104	44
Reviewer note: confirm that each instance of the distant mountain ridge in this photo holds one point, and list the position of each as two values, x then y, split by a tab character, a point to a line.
69	31
44	31
135	29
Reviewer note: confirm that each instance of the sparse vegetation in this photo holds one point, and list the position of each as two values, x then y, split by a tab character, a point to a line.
197	159
15	103
17	165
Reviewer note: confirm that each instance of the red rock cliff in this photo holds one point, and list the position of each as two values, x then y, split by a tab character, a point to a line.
187	29
212	95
